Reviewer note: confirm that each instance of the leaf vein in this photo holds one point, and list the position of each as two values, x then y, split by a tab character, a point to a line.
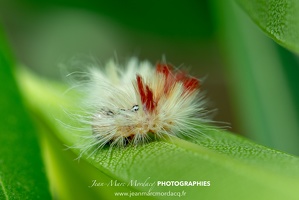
3	188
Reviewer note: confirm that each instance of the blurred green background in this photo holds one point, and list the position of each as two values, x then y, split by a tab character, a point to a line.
251	80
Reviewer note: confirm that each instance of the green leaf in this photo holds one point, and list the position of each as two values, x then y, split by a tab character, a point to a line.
279	19
235	167
22	174
261	94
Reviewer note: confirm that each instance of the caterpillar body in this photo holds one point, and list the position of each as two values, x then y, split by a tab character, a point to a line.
125	106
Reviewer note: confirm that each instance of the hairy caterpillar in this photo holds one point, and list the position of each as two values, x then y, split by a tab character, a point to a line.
124	105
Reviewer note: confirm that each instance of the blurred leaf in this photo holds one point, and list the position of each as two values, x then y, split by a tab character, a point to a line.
22	174
171	19
262	98
236	167
279	19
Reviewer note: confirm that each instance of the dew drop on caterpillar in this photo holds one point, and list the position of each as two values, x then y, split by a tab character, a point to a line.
124	106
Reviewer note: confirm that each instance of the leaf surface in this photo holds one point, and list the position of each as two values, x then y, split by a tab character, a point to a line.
236	168
22	174
279	19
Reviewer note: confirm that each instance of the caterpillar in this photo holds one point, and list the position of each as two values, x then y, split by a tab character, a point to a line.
126	105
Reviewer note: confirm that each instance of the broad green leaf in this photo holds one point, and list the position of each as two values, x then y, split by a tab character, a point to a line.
235	167
279	19
22	174
70	179
261	94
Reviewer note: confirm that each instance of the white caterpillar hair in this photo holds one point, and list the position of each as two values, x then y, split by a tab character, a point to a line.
126	105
